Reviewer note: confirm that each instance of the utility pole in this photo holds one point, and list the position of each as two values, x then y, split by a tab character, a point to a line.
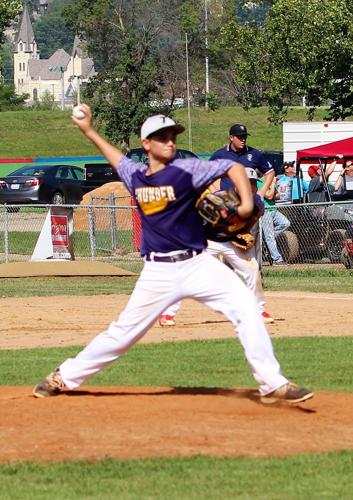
62	89
78	93
188	89
207	89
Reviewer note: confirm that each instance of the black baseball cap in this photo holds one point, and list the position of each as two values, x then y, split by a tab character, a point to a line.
238	130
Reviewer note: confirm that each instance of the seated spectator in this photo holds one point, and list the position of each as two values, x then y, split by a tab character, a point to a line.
287	185
319	187
273	223
345	179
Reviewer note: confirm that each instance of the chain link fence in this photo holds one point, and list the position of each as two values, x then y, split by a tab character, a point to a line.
319	233
109	230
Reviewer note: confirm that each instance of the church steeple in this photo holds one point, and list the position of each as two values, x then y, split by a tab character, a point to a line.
25	37
25	50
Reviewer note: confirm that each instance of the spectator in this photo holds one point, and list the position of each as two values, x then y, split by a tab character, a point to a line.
237	150
319	187
287	185
273	224
345	179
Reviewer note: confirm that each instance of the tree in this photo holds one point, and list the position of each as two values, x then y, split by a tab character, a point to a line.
8	10
310	46
245	62
6	56
9	100
303	49
125	38
51	31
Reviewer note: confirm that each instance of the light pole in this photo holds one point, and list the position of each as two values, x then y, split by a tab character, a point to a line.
56	69
188	89
78	93
207	89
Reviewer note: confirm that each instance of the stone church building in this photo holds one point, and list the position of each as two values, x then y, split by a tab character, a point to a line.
60	76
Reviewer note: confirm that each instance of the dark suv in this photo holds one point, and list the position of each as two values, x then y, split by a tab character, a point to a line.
97	174
138	154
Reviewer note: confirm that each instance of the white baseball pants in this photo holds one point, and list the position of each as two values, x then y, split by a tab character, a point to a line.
243	263
161	284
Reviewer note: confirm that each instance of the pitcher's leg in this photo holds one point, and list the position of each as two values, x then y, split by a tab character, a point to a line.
246	266
172	310
145	305
223	291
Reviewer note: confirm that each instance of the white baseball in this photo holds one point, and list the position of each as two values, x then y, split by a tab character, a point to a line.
78	113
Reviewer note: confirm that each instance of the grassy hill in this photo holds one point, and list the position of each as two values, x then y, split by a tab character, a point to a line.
51	133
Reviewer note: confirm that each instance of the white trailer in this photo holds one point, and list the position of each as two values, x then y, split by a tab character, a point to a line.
302	135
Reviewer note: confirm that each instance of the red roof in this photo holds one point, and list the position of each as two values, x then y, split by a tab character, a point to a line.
344	147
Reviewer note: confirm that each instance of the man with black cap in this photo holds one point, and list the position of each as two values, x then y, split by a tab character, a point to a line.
237	150
251	158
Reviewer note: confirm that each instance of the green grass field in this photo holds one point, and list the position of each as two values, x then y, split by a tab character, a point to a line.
322	280
44	134
195	363
213	363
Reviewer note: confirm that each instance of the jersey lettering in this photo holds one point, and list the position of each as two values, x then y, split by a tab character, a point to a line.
154	199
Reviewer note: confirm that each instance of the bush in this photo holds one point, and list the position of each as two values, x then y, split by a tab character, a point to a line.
213	100
9	100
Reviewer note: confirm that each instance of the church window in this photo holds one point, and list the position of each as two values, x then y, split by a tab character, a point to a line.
24	66
20	66
35	94
21	47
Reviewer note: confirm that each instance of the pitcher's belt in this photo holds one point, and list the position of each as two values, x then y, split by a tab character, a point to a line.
188	254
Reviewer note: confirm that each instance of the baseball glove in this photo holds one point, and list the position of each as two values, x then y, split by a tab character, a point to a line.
223	223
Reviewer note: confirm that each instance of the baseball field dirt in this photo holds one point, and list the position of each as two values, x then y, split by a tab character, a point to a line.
135	422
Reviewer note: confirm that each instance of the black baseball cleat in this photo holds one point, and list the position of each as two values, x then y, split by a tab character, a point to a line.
52	385
290	392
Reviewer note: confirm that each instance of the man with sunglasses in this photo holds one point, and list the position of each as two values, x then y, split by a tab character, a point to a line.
238	151
287	185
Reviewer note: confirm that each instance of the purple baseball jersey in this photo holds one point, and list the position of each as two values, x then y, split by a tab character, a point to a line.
166	201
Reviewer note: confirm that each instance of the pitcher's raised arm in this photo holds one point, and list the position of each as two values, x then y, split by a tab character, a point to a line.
112	153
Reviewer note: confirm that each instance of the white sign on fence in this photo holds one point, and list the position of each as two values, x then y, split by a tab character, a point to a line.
55	239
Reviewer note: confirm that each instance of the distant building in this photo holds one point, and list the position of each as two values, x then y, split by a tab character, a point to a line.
59	76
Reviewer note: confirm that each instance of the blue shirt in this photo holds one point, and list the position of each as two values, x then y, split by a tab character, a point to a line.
166	201
285	179
249	157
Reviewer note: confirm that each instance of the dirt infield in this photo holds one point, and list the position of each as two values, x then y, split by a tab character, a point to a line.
135	422
132	422
64	320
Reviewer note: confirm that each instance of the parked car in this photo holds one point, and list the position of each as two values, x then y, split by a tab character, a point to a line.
56	184
138	154
97	174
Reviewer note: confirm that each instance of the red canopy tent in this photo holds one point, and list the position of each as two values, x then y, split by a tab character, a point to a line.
343	147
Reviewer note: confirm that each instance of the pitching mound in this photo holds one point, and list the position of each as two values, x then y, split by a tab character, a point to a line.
139	422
